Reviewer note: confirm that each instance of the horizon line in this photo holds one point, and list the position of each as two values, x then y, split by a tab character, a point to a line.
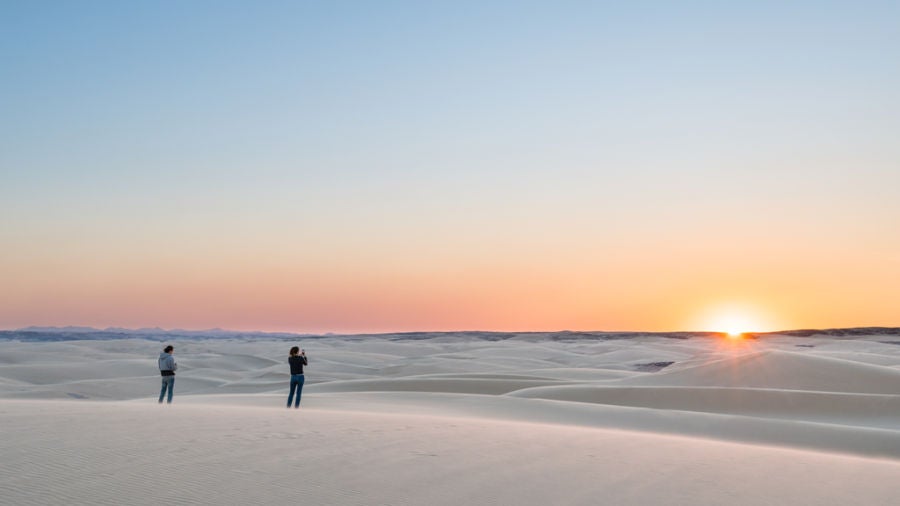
84	328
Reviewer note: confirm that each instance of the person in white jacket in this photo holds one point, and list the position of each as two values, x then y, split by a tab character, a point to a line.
167	368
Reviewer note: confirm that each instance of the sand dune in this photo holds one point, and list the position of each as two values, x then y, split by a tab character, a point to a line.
208	454
485	386
872	410
444	420
781	369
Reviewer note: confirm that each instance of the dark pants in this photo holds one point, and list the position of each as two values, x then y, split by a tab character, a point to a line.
168	382
296	384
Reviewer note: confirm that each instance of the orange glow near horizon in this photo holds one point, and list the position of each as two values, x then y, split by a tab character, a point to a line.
374	292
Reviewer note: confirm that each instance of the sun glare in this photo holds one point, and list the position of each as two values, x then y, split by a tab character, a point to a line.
735	320
733	326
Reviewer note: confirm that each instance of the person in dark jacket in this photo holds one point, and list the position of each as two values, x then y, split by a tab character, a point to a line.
297	359
167	368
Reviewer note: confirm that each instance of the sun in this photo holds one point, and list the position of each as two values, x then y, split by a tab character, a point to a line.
734	327
734	324
734	333
734	319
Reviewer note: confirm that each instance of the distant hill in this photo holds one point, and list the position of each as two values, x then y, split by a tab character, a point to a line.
153	334
158	334
851	332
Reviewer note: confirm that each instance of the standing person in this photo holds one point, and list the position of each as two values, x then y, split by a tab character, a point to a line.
167	368
297	362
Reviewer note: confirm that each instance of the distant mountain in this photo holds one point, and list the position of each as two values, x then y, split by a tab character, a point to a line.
851	332
158	334
71	329
154	334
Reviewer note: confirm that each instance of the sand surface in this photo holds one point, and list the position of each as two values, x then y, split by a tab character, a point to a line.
451	420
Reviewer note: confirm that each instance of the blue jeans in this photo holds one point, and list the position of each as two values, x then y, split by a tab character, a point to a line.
168	382
296	383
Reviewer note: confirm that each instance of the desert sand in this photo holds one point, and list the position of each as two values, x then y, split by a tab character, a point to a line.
455	420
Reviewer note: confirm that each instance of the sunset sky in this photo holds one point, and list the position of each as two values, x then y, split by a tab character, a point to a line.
394	166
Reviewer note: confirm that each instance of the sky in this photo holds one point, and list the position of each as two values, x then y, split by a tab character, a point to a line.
398	166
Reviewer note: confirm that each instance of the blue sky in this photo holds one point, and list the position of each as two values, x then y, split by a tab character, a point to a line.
474	134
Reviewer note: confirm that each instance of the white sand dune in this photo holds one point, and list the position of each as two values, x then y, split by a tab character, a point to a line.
455	421
584	373
488	386
212	454
869	410
781	369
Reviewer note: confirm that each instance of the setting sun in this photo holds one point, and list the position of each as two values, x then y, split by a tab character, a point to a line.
734	326
735	320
